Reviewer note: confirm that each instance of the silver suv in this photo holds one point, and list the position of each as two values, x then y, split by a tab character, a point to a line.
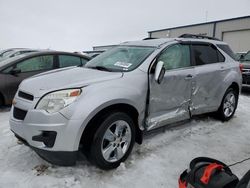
105	107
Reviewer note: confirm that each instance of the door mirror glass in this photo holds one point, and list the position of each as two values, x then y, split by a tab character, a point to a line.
241	57
159	72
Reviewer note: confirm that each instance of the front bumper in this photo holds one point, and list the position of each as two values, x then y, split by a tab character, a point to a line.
64	146
36	122
62	158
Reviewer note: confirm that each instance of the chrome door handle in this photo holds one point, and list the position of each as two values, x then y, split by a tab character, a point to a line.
189	77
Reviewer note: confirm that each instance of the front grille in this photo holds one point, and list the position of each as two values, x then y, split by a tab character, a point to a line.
25	96
246	71
246	79
19	113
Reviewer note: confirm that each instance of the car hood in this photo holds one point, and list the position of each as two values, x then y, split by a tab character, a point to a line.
65	78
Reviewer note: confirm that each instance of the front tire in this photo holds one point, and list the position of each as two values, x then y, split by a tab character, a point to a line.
228	105
113	141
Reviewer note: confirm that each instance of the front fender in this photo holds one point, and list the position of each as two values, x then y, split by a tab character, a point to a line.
100	96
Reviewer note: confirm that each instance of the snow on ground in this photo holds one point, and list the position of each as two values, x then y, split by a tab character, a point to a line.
156	163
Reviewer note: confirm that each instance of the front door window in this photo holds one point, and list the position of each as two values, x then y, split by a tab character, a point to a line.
36	64
176	56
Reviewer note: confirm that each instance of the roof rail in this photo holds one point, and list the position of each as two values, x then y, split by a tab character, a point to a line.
149	38
197	37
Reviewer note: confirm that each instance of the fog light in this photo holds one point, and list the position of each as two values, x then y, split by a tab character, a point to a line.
47	137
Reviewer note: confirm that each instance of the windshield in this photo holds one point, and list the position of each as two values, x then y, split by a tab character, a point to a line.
238	56
122	58
6	53
246	57
9	60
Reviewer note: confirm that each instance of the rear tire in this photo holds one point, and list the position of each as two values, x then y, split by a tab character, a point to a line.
113	141
228	105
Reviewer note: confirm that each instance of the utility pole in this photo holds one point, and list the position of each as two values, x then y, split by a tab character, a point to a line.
206	15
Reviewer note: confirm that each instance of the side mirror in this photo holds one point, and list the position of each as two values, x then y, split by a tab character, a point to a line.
15	71
241	57
159	72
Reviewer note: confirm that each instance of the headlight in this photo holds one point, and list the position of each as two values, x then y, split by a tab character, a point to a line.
54	102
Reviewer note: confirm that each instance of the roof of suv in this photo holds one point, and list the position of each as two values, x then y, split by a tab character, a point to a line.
149	43
161	41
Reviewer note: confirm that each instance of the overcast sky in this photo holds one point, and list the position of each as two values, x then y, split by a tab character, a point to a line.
76	25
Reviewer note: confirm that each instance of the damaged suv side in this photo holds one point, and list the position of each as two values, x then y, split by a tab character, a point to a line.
104	107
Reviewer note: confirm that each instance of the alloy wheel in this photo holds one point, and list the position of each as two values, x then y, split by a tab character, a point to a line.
116	141
229	104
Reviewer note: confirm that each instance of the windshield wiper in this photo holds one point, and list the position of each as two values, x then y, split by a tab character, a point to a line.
101	68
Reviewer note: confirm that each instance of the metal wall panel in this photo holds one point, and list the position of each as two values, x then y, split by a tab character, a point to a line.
238	40
206	29
232	25
235	31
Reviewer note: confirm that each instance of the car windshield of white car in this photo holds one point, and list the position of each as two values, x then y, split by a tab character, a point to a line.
120	59
247	57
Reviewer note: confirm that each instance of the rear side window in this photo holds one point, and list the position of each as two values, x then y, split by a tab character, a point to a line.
204	54
67	60
227	50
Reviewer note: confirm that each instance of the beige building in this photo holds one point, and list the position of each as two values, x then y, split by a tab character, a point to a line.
235	31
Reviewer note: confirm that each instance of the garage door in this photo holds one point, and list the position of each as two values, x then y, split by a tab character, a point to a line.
238	40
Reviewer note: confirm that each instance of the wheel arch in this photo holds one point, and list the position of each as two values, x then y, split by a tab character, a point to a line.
235	86
219	114
93	124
